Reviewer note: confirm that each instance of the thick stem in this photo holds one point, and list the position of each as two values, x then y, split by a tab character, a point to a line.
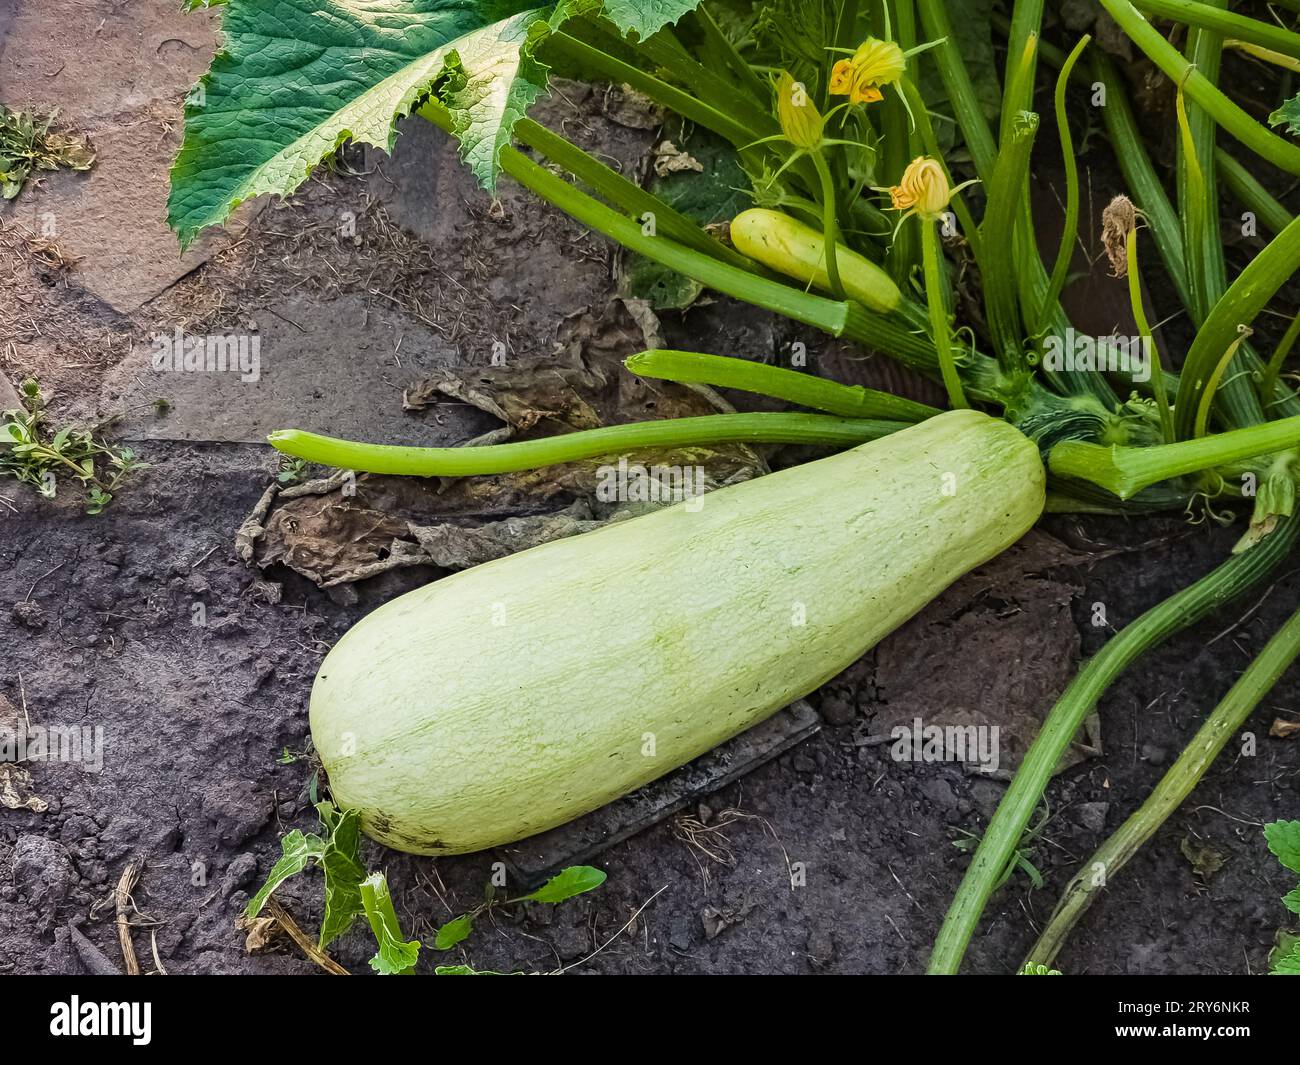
1125	471
1240	304
627	195
1180	611
1227	114
590	443
1231	714
1225	24
1253	196
1000	239
936	290
846	401
679	100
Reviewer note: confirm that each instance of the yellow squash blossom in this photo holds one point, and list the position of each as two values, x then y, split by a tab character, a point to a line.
801	122
923	189
874	64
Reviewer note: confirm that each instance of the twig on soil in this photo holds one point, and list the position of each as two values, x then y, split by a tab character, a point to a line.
22	698
628	924
693	832
41	578
1230	817
303	940
159	968
121	900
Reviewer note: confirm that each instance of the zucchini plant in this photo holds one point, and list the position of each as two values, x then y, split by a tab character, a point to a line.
873	152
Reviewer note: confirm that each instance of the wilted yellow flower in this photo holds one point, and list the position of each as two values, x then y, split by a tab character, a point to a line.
801	122
923	189
874	64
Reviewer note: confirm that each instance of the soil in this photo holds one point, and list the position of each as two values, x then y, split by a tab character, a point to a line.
143	622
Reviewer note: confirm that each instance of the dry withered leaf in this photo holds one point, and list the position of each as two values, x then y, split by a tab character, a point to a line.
1204	859
342	529
260	932
669	159
1117	222
1282	729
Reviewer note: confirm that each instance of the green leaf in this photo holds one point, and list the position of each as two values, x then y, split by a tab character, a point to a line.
296	851
1285	960
343	874
1289	115
395	955
1291	900
566	884
1284	841
716	194
647	17
454	932
1038	969
299	78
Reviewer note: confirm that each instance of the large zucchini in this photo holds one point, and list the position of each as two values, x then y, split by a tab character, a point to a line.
514	696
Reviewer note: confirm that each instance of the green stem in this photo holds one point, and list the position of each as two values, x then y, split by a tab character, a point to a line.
1269	379
1180	611
1225	24
627	195
1158	388
666	52
1022	62
1286	62
1253	196
898	145
936	295
1070	229
571	447
679	100
1206	403
1240	304
1125	471
1227	114
1230	715
689	367
961	90
830	229
742	71
831	316
1195	201
999	238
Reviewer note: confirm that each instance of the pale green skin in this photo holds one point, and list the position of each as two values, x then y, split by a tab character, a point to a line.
789	247
516	695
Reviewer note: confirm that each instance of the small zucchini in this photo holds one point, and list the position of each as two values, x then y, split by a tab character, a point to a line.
789	247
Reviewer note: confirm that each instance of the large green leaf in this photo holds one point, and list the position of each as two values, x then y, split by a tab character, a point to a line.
646	17
298	78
